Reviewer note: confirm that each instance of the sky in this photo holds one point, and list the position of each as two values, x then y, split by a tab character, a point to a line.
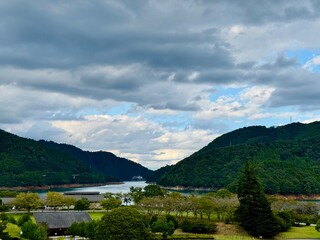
154	81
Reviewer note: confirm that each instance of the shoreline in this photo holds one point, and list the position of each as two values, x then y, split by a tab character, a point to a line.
48	187
300	197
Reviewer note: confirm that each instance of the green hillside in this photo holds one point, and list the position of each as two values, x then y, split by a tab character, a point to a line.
103	162
25	162
287	159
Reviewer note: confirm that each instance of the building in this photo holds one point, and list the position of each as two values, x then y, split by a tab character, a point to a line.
93	197
6	200
59	222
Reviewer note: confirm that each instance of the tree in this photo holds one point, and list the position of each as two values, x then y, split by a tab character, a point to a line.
30	230
153	190
163	226
23	219
3	235
126	198
110	203
206	206
82	204
69	201
254	213
40	233
55	200
136	194
83	229
123	223
318	226
27	201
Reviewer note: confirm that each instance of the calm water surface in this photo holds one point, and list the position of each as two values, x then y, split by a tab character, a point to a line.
113	188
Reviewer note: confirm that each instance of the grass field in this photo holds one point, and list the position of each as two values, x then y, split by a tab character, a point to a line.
96	215
224	232
16	216
301	232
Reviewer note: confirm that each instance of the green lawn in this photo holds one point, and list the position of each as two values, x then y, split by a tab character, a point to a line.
233	233
301	232
16	216
232	237
96	215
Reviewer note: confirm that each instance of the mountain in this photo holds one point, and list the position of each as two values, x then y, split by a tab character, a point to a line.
26	162
287	160
103	162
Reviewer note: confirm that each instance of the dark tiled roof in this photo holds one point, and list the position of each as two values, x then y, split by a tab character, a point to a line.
61	219
91	198
81	193
7	200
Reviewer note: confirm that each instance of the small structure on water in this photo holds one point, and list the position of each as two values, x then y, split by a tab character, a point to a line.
59	222
137	178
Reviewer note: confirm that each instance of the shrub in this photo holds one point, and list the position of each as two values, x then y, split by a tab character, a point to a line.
163	226
285	220
172	219
198	226
186	226
23	219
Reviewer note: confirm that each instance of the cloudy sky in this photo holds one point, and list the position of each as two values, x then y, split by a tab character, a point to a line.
155	81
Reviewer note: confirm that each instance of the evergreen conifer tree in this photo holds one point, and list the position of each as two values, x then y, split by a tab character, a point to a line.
254	213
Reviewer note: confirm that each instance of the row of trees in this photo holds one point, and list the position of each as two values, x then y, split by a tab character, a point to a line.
29	201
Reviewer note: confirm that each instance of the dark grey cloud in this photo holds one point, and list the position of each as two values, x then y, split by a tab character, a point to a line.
262	12
297	88
66	35
167	38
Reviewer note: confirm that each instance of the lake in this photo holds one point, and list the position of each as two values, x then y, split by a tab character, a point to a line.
113	188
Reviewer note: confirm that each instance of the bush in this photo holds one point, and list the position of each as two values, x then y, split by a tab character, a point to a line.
285	220
198	226
7	218
153	219
163	226
4	208
172	219
23	219
82	204
32	231
186	226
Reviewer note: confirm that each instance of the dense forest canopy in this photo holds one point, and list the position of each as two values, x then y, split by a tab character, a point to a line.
287	159
26	162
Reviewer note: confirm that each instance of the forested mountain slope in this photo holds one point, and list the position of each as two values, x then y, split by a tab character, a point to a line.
26	162
287	160
103	162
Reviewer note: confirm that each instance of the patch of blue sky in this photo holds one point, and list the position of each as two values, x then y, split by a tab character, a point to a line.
120	109
225	91
305	55
277	117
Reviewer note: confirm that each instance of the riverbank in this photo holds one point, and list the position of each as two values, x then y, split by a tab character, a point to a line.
180	188
61	186
299	197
